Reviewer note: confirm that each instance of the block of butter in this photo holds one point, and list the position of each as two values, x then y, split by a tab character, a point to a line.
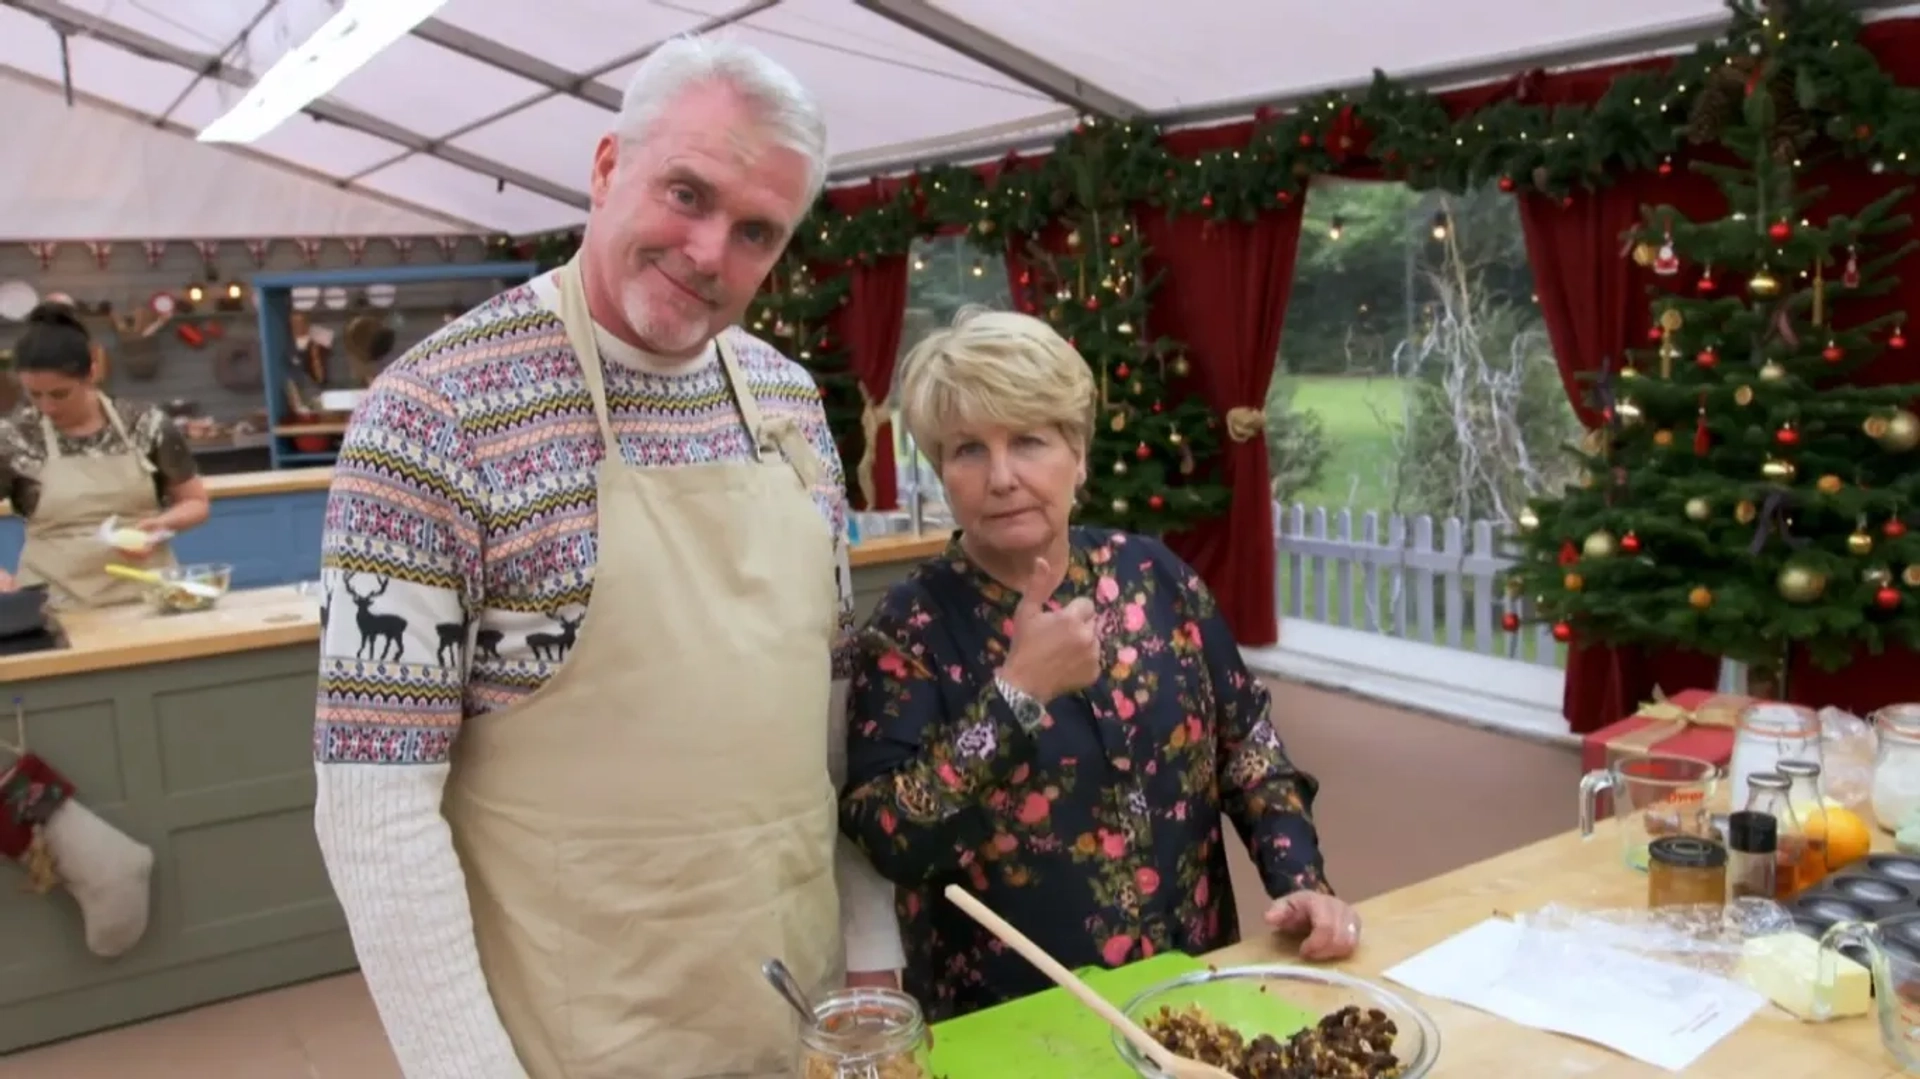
1785	968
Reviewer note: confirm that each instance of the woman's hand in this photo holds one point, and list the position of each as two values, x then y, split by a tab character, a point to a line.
1054	652
7	583
1329	925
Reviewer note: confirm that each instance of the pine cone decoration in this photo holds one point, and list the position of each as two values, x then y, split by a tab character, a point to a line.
1717	104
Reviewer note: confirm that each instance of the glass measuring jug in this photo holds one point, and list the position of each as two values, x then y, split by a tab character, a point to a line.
1654	795
1890	950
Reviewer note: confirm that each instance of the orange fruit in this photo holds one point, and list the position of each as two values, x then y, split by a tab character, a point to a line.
1848	839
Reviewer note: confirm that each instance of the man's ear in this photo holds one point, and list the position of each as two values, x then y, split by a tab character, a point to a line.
606	160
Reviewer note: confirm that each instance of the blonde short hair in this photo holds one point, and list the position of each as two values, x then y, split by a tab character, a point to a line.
995	368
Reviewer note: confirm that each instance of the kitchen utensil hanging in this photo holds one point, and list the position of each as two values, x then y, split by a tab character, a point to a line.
17	300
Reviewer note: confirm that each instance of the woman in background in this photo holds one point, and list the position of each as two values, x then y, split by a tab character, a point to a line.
1056	717
70	458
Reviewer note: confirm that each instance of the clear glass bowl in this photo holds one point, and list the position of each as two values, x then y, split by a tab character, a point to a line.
1277	999
209	581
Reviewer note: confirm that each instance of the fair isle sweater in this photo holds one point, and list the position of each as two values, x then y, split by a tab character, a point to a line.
463	500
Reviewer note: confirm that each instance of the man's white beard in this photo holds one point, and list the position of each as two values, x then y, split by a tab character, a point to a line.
669	334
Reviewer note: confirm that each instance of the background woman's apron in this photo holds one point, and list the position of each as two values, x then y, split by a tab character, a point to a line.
77	494
656	821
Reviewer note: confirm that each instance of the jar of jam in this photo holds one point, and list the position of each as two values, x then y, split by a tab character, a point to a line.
866	1033
1685	871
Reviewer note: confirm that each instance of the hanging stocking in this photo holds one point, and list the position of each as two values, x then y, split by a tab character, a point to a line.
59	841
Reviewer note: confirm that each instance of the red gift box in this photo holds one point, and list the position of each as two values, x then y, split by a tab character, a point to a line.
1692	723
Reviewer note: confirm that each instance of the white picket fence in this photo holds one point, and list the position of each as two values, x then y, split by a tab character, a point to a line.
1407	577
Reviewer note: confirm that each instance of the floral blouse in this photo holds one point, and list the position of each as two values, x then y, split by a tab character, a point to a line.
1099	835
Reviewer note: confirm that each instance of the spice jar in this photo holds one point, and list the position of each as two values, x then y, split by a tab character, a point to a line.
865	1033
1896	766
1686	871
1752	840
1767	793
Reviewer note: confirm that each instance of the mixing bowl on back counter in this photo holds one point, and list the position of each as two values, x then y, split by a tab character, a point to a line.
1285	1022
185	589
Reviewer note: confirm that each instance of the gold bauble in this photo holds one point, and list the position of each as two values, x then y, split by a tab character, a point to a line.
1120	505
1830	484
1763	284
1860	543
1910	576
1119	468
1073	238
1629	413
1174	438
1778	471
1598	545
1799	584
1902	432
1119	422
1663	438
1700	599
1629	371
1743	396
1644	254
1672	319
1180	367
1877	576
1574	582
1772	372
1699	509
1745	512
984	227
1529	520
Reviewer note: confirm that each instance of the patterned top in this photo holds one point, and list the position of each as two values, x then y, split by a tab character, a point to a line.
23	450
459	546
1100	836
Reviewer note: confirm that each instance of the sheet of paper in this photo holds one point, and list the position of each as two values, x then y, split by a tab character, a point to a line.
1658	1012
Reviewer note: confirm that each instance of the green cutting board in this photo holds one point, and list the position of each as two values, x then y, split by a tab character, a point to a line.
1051	1035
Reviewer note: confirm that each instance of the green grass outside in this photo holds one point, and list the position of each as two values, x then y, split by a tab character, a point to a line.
1360	416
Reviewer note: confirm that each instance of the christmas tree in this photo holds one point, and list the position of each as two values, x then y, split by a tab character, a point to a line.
793	312
1143	468
1742	497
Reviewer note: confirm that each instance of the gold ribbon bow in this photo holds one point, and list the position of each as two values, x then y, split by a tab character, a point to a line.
1244	423
1667	719
873	416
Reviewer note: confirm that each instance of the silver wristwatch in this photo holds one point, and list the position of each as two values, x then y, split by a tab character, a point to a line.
1027	709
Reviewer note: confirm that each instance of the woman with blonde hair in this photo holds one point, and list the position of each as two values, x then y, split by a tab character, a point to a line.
1057	717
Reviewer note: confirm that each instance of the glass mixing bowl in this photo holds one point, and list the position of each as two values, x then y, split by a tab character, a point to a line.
1278	1000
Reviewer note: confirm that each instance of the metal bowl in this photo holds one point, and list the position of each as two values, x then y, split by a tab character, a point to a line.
168	597
1277	999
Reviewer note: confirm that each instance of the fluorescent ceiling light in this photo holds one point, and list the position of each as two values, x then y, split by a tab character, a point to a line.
355	34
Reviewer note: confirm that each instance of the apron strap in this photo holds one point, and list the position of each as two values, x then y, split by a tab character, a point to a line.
578	321
119	428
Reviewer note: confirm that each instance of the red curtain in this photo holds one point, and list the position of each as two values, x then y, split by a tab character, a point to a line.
1223	293
868	324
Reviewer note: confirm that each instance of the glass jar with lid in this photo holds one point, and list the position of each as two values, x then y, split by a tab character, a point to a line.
1766	734
865	1033
1808	801
1767	792
1896	765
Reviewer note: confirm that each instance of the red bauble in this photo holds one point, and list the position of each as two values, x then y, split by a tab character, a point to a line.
1787	436
1705	285
1887	598
1122	371
1115	240
1283	197
1630	544
1562	632
1093	303
1894	529
1780	232
1142	451
1206	202
1655	333
1898	340
1510	622
1155	502
1306	139
1507	184
1665	167
1707	358
1833	353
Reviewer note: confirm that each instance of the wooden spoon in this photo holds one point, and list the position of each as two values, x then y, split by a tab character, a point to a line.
1177	1067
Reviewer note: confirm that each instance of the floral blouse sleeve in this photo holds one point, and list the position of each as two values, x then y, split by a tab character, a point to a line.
928	740
1268	799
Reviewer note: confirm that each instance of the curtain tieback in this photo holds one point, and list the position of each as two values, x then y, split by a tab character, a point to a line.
873	416
1245	423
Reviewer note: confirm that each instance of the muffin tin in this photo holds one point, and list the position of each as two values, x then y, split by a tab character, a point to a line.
1879	887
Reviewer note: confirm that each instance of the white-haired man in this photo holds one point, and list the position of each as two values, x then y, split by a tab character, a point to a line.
567	833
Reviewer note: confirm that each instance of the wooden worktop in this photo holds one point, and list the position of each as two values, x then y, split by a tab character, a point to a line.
132	635
1587	874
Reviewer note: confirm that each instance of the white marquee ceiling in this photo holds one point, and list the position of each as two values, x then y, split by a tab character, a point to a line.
485	117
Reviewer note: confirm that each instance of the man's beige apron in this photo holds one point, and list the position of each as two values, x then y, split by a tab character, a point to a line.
655	822
77	494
